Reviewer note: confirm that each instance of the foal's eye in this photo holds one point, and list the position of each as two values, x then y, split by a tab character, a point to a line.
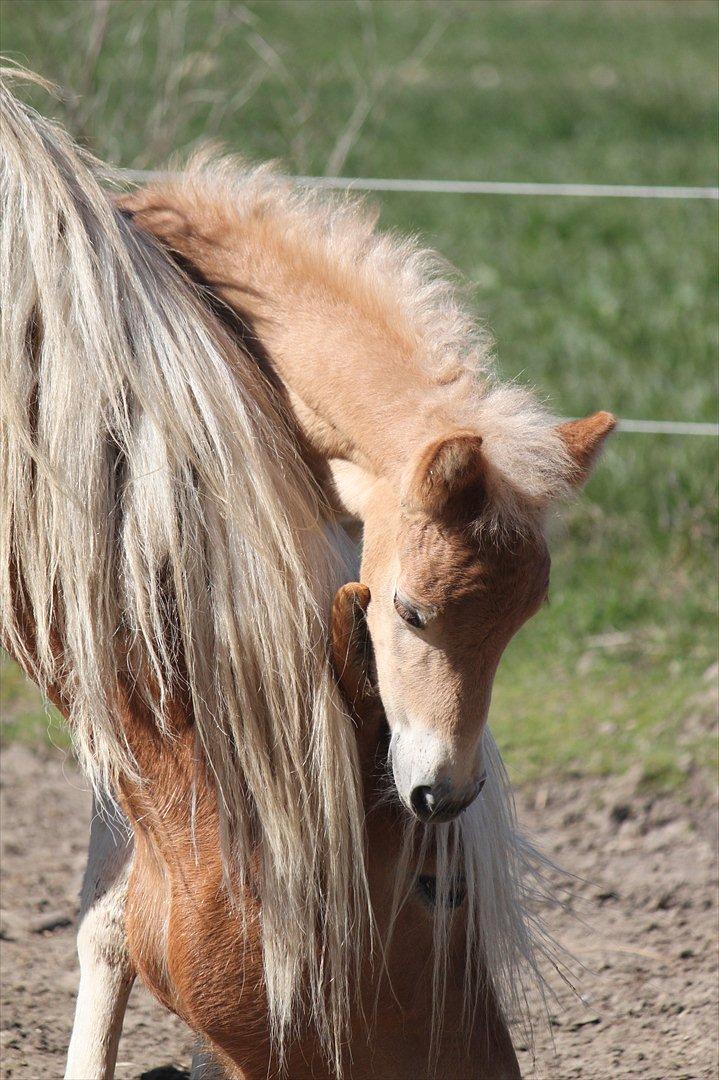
408	613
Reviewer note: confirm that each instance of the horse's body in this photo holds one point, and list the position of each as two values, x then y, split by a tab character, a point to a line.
206	964
166	580
220	995
226	1001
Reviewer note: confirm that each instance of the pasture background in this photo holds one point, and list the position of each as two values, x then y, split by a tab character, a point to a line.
600	303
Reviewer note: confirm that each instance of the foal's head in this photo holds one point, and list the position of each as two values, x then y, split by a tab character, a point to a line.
450	583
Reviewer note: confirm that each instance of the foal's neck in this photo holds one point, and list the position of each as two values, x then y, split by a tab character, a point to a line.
355	366
360	390
358	381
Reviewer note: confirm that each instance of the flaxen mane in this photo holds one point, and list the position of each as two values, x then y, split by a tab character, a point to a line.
158	525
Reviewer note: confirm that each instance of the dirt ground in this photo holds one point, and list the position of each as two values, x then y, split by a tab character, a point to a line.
640	913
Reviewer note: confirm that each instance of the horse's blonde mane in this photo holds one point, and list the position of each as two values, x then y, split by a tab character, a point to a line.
159	525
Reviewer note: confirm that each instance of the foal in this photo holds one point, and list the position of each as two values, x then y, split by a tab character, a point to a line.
390	383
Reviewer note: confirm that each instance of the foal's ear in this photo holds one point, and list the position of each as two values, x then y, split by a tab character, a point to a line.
584	440
447	471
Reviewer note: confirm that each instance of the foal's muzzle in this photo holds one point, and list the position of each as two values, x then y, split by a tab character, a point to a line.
438	803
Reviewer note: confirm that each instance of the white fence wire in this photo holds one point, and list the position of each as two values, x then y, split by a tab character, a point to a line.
491	187
484	187
667	427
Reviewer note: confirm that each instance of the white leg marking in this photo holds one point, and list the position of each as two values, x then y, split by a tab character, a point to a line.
106	974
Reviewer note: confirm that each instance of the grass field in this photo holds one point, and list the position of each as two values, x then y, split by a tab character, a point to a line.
600	303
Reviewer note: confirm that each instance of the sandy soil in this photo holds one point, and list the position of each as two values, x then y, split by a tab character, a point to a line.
641	913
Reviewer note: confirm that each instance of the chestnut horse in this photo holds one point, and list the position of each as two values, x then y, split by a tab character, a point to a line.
391	1033
181	377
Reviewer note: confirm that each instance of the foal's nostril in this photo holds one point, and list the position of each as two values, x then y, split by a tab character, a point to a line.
437	805
423	802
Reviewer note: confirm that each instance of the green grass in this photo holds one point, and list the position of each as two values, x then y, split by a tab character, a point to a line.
24	717
600	303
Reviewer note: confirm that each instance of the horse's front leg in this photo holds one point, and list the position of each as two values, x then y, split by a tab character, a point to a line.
106	972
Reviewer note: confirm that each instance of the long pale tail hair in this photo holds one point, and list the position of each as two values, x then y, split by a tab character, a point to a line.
159	524
505	880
